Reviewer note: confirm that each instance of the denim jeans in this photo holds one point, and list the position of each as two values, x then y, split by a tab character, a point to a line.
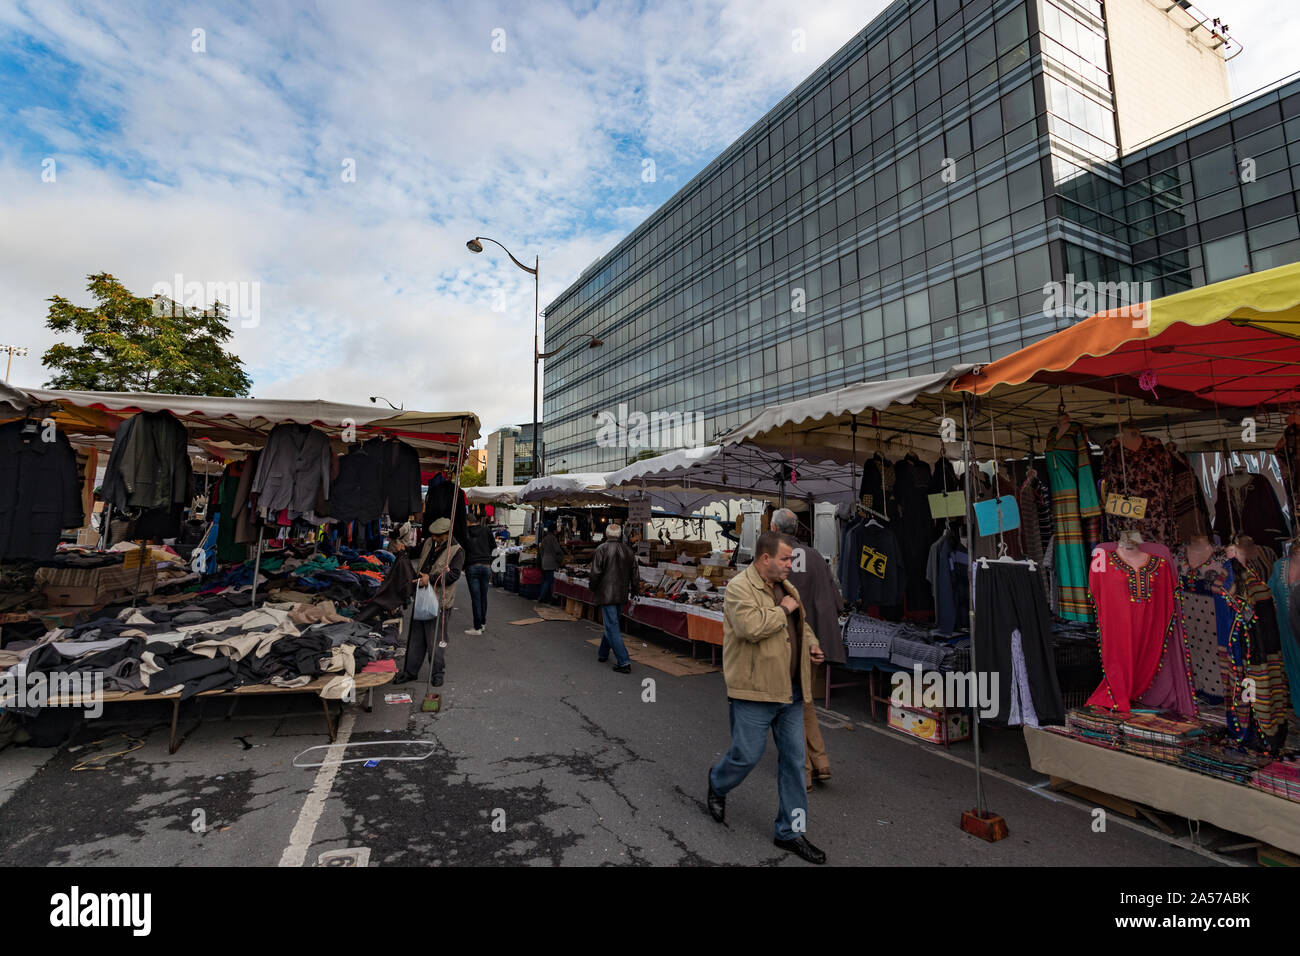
750	722
613	637
548	587
478	576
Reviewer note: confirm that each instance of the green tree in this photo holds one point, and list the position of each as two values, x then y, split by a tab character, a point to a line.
126	347
471	477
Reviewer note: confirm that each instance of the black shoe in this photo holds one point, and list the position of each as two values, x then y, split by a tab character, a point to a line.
602	660
717	803
437	680
801	846
403	679
625	669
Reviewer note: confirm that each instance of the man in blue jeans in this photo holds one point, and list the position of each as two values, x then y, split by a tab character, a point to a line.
614	579
768	651
478	570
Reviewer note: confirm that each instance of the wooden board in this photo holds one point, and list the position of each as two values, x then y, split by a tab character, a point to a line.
670	662
553	614
527	620
361	681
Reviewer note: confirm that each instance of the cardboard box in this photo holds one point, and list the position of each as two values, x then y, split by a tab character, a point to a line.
64	596
928	725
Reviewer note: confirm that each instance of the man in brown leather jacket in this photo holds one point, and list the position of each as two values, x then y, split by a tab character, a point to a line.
614	579
768	651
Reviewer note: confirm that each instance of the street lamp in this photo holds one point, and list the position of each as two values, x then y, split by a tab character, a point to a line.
13	350
476	245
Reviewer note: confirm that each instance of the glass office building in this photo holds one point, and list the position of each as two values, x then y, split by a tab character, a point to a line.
903	209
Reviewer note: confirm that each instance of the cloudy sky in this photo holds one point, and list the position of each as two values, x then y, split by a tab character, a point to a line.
336	156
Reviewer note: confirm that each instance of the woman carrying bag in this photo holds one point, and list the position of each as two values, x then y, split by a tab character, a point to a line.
440	566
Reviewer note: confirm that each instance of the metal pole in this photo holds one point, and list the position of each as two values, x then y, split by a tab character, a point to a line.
967	457
257	561
537	445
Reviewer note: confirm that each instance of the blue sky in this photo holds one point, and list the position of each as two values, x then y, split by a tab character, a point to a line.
226	164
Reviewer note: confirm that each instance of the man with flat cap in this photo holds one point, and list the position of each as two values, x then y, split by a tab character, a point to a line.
440	564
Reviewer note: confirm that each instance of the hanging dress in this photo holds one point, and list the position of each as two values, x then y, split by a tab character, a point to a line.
1286	600
1212	583
1140	637
1144	473
1076	518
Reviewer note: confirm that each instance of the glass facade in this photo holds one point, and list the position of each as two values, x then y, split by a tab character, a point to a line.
898	212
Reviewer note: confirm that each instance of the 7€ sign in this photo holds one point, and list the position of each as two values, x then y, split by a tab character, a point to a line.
873	562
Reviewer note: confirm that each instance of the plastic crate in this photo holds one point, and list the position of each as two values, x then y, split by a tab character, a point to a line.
530	591
512	577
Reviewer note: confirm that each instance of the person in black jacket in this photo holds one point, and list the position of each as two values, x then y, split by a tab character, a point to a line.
614	579
478	570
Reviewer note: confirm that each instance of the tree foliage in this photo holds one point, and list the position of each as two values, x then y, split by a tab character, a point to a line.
126	347
471	477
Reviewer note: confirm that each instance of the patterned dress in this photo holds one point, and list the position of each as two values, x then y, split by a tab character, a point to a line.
1144	473
1076	515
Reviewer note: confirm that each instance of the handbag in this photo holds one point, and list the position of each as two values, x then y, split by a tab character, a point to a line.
426	604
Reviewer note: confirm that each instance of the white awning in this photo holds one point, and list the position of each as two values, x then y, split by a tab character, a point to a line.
574	489
823	426
493	494
717	472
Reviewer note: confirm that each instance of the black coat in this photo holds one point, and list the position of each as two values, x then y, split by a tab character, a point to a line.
357	494
400	477
437	504
149	466
614	573
39	493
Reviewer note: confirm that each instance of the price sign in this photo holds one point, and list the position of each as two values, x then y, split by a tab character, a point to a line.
868	501
950	504
873	562
1123	506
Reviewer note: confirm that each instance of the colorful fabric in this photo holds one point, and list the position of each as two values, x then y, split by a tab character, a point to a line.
1286	600
1280	779
1077	518
1221	762
1144	473
1135	607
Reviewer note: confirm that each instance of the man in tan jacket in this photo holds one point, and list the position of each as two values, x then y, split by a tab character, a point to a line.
768	651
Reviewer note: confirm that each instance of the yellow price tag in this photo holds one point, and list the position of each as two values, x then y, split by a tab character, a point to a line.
1126	507
873	562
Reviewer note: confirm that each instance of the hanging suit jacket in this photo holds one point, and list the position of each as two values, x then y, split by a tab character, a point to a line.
438	504
39	493
358	492
400	477
293	469
149	466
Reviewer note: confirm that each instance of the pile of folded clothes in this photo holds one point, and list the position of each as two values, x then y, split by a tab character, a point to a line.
1161	738
1280	779
1222	762
1095	727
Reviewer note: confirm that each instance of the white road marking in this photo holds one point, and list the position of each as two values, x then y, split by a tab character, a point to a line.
295	854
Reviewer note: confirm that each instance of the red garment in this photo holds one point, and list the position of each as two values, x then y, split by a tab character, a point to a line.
380	667
1135	610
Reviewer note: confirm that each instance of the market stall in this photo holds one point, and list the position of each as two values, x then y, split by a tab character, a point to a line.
1192	589
286	589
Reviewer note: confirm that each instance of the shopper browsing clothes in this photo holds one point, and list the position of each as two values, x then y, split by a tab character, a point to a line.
440	564
614	579
767	654
550	558
478	570
811	576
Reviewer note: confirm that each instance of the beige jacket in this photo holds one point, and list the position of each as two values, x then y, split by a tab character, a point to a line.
756	644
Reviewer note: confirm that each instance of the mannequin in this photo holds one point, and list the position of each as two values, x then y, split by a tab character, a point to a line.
1143	650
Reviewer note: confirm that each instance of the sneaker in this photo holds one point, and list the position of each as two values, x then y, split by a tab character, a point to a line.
474	630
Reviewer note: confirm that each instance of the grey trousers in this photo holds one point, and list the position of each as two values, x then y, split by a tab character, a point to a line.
424	635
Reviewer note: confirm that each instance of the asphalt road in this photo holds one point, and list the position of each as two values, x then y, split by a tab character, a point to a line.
541	757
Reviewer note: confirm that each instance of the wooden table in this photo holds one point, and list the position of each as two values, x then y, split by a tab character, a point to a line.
363	681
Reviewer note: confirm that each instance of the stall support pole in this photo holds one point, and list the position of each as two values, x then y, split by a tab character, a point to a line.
105	517
257	561
979	822
139	574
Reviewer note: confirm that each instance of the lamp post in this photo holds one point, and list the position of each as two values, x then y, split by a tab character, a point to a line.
476	245
13	350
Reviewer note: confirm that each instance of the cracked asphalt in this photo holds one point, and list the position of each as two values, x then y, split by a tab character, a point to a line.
540	756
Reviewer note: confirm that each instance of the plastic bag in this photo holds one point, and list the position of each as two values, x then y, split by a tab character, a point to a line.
426	604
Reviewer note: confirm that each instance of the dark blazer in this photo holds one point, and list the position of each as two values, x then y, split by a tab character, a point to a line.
400	477
149	466
613	573
821	599
39	493
358	493
438	504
